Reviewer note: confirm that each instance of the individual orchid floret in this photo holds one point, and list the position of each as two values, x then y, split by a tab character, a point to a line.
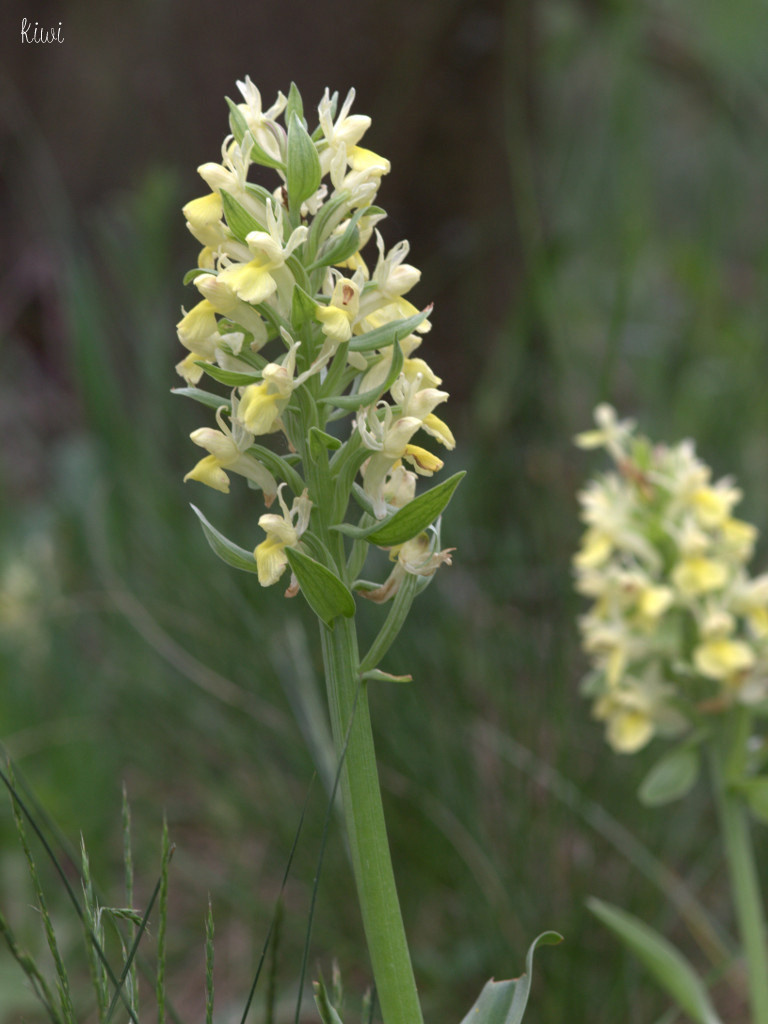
198	330
342	134
634	712
338	317
393	277
611	432
283	531
261	123
204	220
418	556
390	440
262	404
228	452
361	182
418	401
399	486
257	280
224	301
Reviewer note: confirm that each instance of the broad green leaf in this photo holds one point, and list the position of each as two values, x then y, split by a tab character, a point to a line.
204	397
226	549
670	969
381	337
670	778
410	520
240	222
232	378
504	1002
303	174
326	595
756	795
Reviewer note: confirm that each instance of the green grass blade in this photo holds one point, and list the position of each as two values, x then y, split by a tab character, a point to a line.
274	923
96	945
670	969
320	857
209	964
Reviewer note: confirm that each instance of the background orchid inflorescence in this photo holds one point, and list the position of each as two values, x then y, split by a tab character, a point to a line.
678	628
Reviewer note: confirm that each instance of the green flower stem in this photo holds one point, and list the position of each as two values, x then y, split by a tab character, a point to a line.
737	840
366	830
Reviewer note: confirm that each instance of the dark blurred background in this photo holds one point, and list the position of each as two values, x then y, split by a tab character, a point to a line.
583	185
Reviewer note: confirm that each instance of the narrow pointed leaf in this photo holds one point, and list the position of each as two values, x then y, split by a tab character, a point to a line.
226	549
381	337
670	969
324	591
203	397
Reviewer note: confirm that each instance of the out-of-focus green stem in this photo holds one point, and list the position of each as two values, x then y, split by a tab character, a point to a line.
366	830
737	841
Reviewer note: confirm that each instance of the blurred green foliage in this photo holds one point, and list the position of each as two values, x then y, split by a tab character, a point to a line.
621	256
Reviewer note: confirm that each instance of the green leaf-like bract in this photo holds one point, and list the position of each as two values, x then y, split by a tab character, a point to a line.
669	967
756	795
240	222
359	399
410	520
303	173
670	778
226	549
326	595
232	378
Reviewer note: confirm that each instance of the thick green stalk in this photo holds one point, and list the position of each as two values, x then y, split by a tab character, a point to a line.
366	830
745	885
